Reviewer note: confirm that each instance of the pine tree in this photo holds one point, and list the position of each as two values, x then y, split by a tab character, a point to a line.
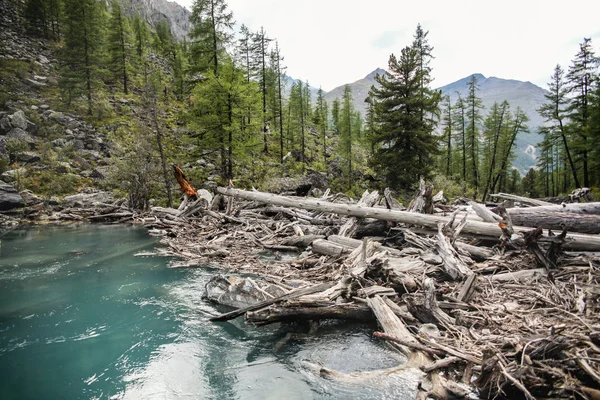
404	144
119	45
581	78
81	56
515	125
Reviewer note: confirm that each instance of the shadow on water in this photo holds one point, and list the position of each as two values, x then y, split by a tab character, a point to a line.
81	317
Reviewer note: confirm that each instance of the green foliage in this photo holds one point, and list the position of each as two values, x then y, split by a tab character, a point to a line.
119	46
51	183
82	55
405	108
14	148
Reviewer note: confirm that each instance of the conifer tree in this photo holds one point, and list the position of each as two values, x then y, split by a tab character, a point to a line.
474	106
404	144
346	133
446	165
554	112
460	119
493	134
581	78
36	14
81	56
119	45
320	119
278	70
260	47
211	33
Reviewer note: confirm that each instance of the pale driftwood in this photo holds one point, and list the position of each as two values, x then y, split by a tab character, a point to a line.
523	200
574	208
423	203
367	200
572	222
426	309
467	289
453	264
484	229
484	213
301	241
327	248
520	276
443	363
289	296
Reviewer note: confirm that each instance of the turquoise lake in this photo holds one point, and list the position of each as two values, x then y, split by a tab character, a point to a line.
82	318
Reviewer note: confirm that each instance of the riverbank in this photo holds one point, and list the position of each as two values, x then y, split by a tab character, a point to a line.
510	316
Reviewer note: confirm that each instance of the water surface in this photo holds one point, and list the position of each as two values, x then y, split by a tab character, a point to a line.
82	318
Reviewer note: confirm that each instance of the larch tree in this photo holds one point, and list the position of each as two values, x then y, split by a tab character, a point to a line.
346	133
460	120
581	79
474	106
211	33
81	56
119	45
260	47
554	112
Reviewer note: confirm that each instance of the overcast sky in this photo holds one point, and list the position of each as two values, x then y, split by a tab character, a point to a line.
333	42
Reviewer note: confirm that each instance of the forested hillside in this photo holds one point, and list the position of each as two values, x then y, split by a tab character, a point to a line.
111	94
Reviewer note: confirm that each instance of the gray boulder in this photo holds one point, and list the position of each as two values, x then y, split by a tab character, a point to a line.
28	157
20	134
89	198
30	198
9	197
5	126
18	120
11	176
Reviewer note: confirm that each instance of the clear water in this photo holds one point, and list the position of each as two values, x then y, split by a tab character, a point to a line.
82	318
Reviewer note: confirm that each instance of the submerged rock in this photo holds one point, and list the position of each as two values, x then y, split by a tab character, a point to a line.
239	292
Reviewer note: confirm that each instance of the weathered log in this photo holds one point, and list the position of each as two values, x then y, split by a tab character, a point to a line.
423	203
523	200
367	200
572	222
573	241
325	247
292	295
572	208
270	315
484	213
520	276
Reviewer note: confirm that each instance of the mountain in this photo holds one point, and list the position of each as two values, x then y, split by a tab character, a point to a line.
288	81
518	93
154	11
360	91
526	95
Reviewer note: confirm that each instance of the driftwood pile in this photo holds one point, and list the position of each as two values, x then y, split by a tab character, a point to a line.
476	303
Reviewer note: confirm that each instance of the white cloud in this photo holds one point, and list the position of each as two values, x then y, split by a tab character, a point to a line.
332	42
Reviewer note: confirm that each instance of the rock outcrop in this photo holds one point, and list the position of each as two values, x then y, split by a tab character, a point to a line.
10	199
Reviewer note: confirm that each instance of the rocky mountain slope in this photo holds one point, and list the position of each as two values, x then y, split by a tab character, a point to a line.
154	11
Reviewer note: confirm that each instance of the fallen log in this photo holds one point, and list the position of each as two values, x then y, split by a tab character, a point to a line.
573	241
271	315
572	222
572	208
292	295
523	200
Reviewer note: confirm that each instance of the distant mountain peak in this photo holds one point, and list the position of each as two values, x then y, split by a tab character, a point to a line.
377	71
